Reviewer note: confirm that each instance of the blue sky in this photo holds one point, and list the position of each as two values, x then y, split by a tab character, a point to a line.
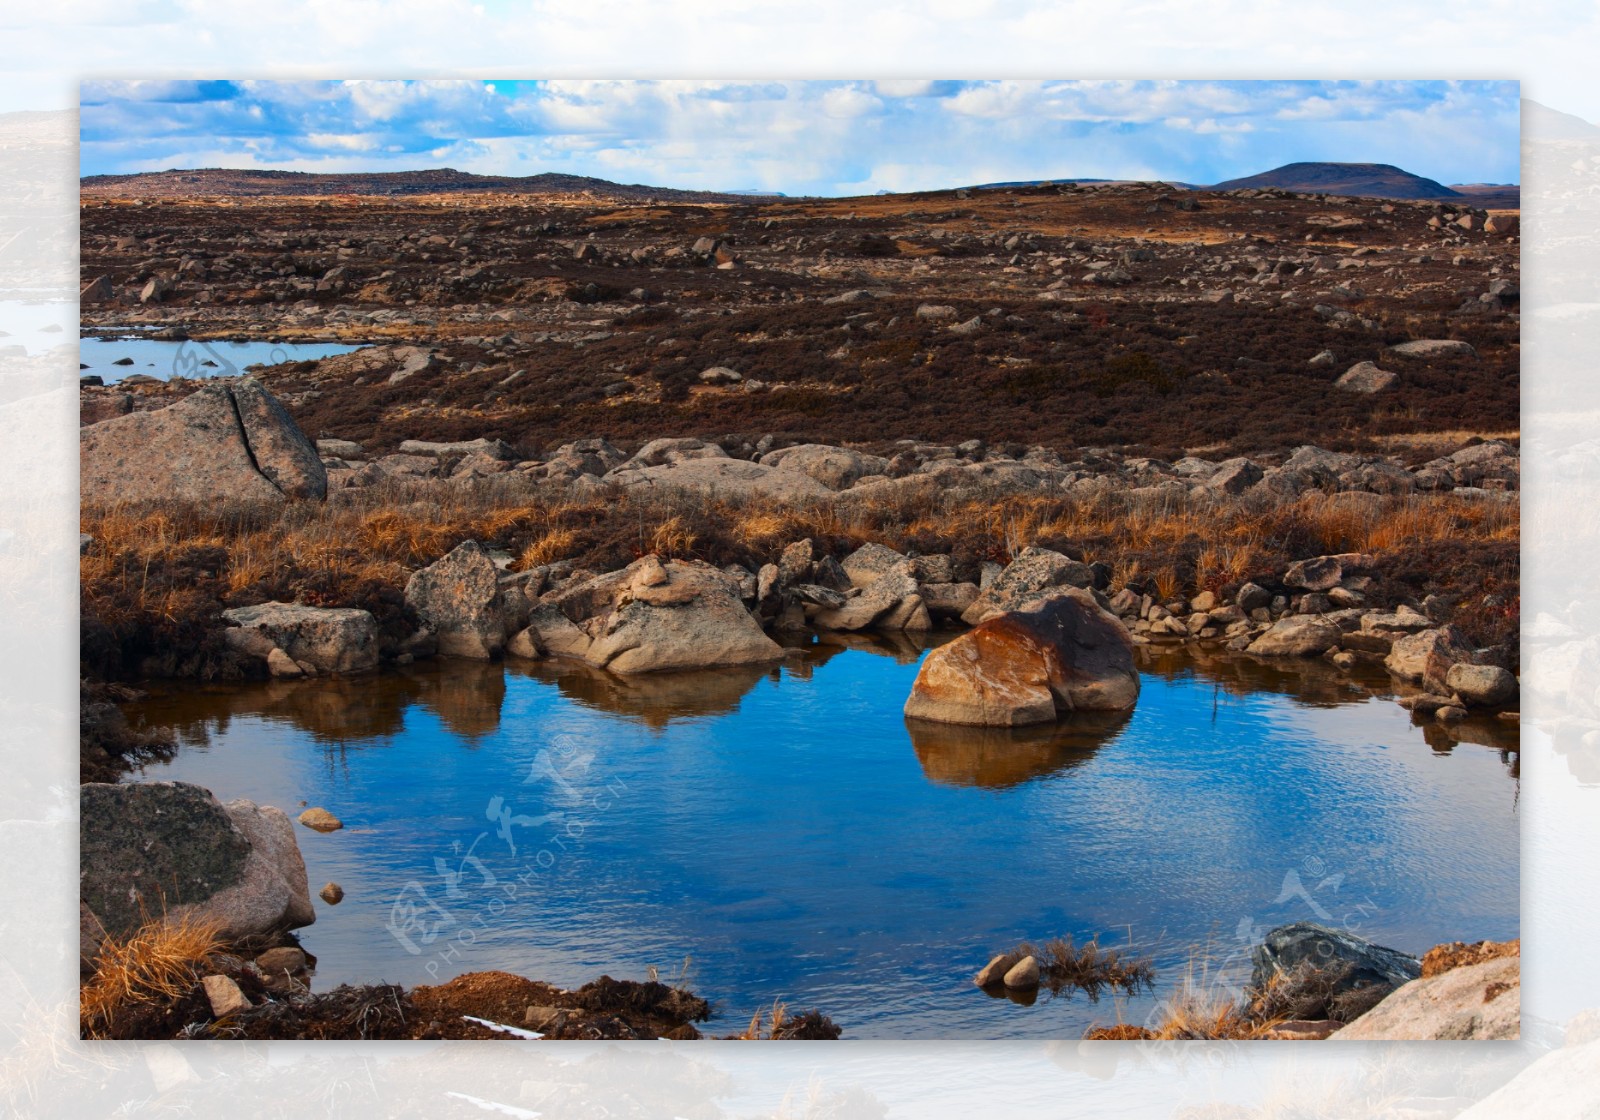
805	137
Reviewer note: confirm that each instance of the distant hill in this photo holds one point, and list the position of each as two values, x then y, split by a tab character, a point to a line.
221	181
1368	180
1540	122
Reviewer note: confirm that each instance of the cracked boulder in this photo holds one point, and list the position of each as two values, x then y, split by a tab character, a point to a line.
231	439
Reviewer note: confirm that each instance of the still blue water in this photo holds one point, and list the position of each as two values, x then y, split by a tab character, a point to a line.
788	835
165	360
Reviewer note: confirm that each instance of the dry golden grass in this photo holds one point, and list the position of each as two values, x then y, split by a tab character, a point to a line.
157	964
165	567
753	1032
547	549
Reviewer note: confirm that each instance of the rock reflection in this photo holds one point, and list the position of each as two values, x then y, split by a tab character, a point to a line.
344	711
655	699
1309	680
998	757
466	695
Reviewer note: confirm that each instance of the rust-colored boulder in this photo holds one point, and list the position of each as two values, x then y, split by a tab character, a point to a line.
1058	653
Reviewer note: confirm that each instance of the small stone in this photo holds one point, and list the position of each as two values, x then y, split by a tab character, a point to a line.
1450	713
283	959
1023	974
332	894
321	820
225	997
995	971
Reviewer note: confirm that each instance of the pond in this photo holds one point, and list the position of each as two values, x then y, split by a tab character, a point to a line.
789	836
213	358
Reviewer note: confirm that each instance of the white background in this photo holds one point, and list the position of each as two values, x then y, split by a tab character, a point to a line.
1554	48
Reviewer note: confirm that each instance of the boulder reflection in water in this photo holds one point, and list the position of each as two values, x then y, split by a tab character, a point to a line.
997	757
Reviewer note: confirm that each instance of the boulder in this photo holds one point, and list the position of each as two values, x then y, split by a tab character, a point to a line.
1477	1001
493	448
281	451
332	639
458	598
1427	656
1481	686
948	600
875	604
1059	653
995	971
1023	975
1232	476
228	440
1034	571
655	616
869	563
1288	947
834	467
341	449
722	478
98	290
1320	573
170	848
1297	636
1434	348
670	450
1365	377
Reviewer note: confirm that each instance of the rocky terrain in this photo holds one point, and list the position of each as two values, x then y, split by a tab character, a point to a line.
1127	315
660	434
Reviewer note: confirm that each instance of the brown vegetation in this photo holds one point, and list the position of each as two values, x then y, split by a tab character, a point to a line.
157	576
1066	967
144	985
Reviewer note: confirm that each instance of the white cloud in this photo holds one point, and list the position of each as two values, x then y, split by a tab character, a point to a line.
809	137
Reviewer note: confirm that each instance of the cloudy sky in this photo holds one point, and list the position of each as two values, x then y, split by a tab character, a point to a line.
805	137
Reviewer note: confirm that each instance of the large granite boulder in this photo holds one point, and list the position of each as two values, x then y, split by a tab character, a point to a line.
331	639
834	467
1477	1001
651	616
1033	572
170	849
1059	653
458	597
228	440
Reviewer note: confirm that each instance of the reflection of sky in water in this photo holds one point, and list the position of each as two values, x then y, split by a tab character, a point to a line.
793	839
164	360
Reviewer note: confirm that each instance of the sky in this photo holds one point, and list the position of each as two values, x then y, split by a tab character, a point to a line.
805	137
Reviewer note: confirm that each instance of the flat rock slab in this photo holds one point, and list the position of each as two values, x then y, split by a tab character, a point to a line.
722	477
1434	348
